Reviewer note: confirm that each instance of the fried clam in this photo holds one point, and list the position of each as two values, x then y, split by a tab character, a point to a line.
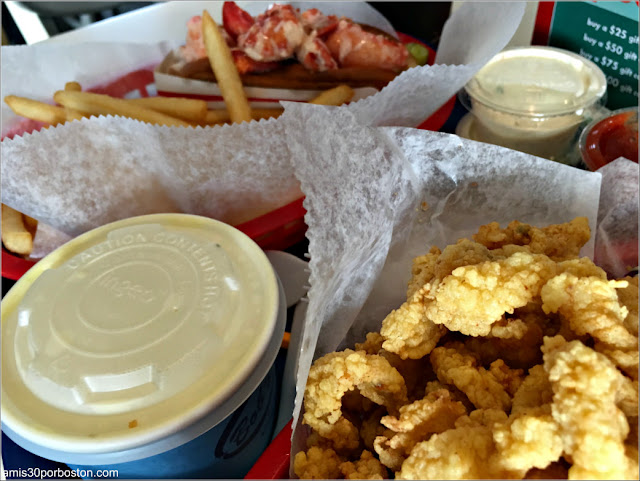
557	470
511	379
539	348
534	391
516	339
474	297
593	429
455	393
407	331
423	270
371	427
591	306
335	374
459	453
626	359
415	372
529	439
417	421
367	467
454	365
557	241
469	288
628	296
317	463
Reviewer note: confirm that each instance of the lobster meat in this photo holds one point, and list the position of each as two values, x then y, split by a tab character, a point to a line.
319	42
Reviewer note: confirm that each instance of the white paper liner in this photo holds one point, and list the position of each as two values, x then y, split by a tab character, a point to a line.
90	172
617	233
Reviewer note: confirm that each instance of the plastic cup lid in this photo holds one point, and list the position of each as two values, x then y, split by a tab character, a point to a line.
538	81
134	330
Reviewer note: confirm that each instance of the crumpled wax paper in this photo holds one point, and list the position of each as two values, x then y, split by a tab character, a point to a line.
87	173
378	197
98	170
616	249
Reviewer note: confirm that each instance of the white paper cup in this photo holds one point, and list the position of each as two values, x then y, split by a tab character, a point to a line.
146	346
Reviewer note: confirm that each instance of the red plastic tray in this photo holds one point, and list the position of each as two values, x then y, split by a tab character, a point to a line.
276	230
274	462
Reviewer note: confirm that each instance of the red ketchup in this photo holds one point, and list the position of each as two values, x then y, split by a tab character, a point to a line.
610	138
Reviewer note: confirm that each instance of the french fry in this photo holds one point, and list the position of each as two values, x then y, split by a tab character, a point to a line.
225	70
187	109
336	96
218	116
73	114
73	87
35	110
99	104
222	116
15	236
30	224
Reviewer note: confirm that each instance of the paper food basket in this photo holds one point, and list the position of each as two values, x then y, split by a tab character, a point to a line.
276	230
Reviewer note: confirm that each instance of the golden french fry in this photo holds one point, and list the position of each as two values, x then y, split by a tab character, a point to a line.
30	224
73	87
336	96
286	339
188	109
217	116
99	104
222	116
35	110
73	114
225	70
15	236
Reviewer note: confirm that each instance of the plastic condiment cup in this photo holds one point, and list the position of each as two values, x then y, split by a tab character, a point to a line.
608	138
147	346
533	99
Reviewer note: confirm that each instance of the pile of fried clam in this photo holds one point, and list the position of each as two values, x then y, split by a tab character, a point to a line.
512	358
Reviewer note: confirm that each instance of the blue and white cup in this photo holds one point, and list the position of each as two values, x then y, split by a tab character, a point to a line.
145	348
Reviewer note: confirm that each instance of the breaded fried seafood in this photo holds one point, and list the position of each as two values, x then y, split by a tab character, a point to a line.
335	374
511	358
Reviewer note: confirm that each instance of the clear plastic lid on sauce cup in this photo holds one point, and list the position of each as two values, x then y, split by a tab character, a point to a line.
534	99
133	331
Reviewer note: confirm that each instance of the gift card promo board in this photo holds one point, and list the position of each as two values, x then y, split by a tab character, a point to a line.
603	32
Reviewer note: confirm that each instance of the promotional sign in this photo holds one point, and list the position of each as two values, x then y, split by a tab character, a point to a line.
605	33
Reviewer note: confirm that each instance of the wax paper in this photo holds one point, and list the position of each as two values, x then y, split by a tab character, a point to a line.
616	248
470	37
94	171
